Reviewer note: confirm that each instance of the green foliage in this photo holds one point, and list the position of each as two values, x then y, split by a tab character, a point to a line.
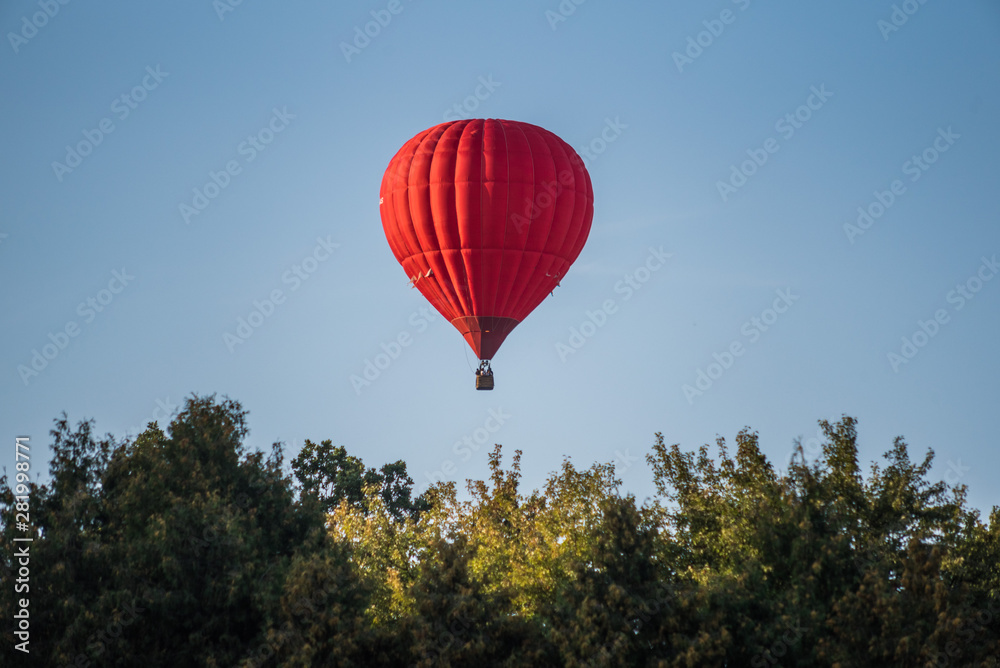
333	476
598	616
457	621
320	621
184	539
184	548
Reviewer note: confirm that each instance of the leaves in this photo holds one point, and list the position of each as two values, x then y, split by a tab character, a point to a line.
185	548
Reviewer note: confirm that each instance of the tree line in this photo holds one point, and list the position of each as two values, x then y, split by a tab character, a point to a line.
186	548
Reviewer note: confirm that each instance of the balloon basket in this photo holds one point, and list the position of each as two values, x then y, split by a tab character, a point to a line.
484	376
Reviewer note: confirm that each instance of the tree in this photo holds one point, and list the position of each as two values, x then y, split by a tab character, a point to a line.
67	573
171	548
321	618
331	475
457	621
609	614
185	548
916	620
817	566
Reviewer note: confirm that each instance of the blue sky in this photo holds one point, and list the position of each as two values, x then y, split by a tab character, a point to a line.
739	137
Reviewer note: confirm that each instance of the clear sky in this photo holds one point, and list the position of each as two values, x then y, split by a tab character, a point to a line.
738	137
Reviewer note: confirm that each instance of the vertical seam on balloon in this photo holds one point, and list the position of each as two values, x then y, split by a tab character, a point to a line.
411	250
453	297
409	176
531	218
404	243
588	206
406	192
450	298
460	285
482	231
567	245
388	215
551	139
531	203
434	229
527	294
502	308
503	252
506	218
457	282
464	301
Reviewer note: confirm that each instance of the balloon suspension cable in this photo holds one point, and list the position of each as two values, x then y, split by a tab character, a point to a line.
484	376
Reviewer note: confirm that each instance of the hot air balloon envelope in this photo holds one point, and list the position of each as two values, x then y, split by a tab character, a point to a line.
486	217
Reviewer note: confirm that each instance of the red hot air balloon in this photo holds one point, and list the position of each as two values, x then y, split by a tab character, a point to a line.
486	217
